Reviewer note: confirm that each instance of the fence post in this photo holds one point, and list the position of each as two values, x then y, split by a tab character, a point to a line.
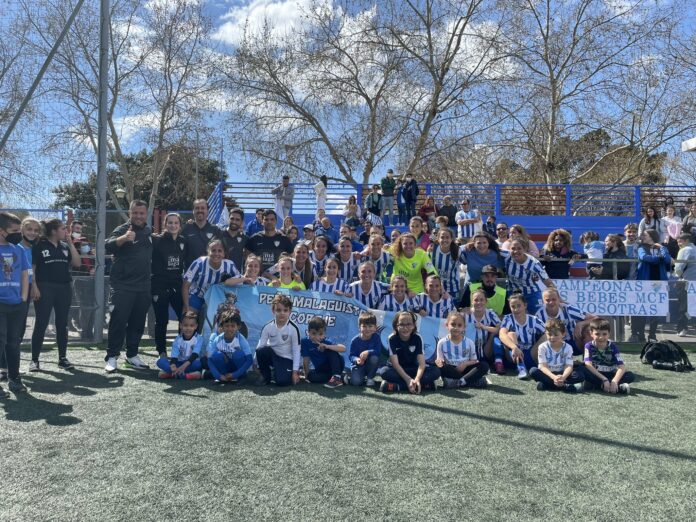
637	203
427	189
568	201
359	194
497	204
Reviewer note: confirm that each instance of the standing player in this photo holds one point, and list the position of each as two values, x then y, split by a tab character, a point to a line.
278	351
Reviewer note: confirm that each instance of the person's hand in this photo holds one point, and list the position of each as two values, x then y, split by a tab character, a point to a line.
517	354
422	313
411	294
174	369
275	282
185	308
321	347
129	235
439	362
596	269
295	377
35	293
559	381
613	387
363	356
574	259
414	386
478	325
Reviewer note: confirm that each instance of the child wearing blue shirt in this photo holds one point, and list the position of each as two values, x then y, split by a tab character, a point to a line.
185	362
365	349
229	354
323	353
14	292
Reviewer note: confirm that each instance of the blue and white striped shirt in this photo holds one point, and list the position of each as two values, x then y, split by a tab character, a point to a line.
390	304
528	333
322	286
526	277
469	230
490	318
435	308
380	264
556	360
448	269
201	275
569	314
347	270
182	348
319	265
456	353
372	298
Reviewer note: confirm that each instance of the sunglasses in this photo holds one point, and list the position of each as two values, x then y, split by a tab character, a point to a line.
501	228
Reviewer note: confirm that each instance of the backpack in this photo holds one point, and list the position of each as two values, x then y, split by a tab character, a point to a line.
665	355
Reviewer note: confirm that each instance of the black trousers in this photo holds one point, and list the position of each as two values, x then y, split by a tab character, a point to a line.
55	297
127	321
162	297
593	382
11	319
471	373
575	377
266	359
333	365
3	359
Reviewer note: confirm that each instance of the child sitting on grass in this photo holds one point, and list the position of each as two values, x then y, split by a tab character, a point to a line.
184	362
323	353
365	349
555	371
604	368
456	356
229	354
408	370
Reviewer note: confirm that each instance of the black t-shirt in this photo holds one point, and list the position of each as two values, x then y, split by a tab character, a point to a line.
268	248
197	240
407	352
449	211
168	259
234	248
52	262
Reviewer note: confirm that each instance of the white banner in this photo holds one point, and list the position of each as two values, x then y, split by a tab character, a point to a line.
691	297
612	298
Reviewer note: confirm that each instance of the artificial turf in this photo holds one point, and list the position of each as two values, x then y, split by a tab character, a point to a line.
83	445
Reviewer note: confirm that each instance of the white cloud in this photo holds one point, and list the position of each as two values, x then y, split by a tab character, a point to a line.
282	16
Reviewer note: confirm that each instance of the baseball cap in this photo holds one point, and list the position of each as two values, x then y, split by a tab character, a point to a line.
489	269
308	226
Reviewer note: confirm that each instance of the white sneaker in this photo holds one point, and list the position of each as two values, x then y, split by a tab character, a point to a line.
136	363
111	365
522	373
33	366
683	333
624	388
370	382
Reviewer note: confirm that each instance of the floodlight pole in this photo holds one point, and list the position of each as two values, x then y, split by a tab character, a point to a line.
104	30
39	76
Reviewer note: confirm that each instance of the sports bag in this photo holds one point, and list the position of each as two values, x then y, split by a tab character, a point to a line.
665	355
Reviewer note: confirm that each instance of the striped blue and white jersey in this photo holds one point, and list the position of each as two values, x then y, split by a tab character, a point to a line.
556	360
348	270
528	332
448	269
183	348
202	276
322	286
380	265
469	230
390	304
439	308
569	314
218	343
526	277
372	298
261	281
490	318
456	353
319	264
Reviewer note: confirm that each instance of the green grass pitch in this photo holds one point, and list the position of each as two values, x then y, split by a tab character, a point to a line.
90	446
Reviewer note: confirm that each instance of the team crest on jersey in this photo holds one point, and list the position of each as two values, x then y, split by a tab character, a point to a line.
150	238
209	235
276	243
65	252
155	298
239	239
181	246
285	337
412	348
413	265
535	278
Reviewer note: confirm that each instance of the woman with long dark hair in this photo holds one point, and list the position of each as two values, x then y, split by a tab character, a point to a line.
52	258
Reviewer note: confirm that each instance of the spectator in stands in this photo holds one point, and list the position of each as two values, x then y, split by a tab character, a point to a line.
352	212
685	272
613	249
284	194
559	246
415	226
373	201
269	244
292	234
517	232
631	243
428	211
400	203
651	221
199	233
327	229
410	194
689	222
307	234
320	191
672	227
502	233
489	226
234	239
481	251
388	185
449	211
468	220
168	265
256	224
345	230
594	249
654	265
131	247
287	223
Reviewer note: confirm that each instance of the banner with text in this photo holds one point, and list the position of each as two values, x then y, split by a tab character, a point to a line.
340	313
691	297
613	298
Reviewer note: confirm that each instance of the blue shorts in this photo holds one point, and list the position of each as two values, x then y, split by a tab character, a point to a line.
196	302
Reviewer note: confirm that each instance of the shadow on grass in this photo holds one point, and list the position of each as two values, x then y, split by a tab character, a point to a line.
656	395
28	408
541	429
75	382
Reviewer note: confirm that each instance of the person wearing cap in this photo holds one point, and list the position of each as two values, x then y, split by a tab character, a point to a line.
449	210
284	194
307	235
388	184
496	295
468	220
